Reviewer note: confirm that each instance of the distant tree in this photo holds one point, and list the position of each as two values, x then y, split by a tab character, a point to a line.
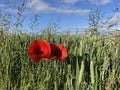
34	25
94	18
20	15
17	17
5	22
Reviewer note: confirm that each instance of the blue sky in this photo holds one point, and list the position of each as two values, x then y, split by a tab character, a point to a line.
67	13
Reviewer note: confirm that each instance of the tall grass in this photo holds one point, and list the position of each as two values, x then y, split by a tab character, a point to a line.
93	63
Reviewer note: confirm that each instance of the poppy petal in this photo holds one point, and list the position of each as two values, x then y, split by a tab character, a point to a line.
39	49
45	47
63	51
58	51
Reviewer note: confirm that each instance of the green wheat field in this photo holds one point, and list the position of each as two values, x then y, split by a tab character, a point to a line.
93	63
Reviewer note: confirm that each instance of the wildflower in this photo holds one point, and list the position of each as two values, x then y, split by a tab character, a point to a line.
58	51
39	49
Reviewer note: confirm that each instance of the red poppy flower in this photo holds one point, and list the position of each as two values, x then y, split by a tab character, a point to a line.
58	51
39	49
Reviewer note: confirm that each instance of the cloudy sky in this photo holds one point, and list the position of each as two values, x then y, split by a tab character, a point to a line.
67	13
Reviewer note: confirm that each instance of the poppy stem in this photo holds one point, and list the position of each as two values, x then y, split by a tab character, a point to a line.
55	73
54	64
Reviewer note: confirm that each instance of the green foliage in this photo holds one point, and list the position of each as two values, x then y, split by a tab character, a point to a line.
94	18
93	63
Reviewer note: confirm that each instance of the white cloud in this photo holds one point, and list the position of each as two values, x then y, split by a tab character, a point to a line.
100	2
5	9
71	11
11	10
114	19
111	22
2	5
15	11
109	25
70	1
40	6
